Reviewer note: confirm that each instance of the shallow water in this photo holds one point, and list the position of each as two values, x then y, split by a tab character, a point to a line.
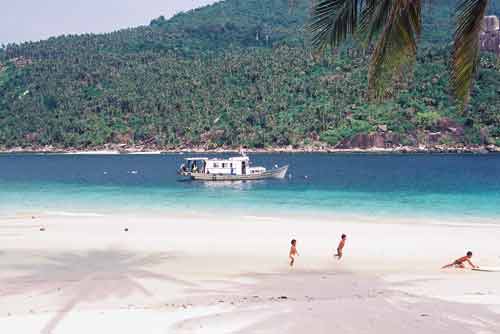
463	187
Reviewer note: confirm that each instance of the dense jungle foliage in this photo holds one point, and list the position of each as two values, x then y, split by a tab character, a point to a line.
238	72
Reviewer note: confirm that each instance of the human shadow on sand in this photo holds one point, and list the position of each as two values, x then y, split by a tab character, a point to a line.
88	277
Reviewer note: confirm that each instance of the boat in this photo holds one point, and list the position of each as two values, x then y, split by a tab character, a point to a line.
231	169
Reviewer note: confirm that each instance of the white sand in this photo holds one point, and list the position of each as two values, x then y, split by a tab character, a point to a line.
195	274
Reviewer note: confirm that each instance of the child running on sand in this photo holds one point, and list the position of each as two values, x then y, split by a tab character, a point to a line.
340	247
459	263
293	252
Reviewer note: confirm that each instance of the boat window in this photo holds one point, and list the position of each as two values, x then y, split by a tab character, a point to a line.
231	165
223	165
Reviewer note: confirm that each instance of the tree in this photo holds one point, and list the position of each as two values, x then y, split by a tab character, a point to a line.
393	28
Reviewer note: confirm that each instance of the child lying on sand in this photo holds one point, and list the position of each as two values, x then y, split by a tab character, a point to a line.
459	263
293	252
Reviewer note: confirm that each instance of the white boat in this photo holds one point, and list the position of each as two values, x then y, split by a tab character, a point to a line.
231	169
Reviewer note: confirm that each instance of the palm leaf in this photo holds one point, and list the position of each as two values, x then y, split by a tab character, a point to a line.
395	26
396	47
372	19
466	48
333	21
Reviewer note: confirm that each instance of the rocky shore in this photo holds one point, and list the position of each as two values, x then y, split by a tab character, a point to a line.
447	136
317	148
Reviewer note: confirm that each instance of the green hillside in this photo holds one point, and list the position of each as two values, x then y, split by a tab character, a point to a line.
238	72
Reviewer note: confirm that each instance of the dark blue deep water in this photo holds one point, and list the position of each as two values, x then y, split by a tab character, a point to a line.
461	186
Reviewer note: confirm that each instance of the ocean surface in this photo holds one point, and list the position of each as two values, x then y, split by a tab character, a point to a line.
463	187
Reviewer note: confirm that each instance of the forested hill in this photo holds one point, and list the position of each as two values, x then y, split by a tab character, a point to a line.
238	72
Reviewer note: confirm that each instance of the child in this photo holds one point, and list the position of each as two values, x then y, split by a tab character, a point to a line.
340	247
459	263
293	252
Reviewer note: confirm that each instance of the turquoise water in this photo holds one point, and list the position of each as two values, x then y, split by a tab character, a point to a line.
459	186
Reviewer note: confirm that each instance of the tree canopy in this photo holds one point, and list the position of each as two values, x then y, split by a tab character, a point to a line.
238	72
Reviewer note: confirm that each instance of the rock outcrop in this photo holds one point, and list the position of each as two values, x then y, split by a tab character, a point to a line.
447	132
371	140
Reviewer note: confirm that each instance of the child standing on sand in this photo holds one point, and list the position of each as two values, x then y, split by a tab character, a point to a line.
459	263
340	247
293	252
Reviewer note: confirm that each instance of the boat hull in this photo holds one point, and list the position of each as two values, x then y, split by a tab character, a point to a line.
278	173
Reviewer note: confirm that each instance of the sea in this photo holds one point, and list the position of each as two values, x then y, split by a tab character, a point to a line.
464	188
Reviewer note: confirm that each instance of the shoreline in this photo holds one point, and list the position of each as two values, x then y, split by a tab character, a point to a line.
139	150
257	217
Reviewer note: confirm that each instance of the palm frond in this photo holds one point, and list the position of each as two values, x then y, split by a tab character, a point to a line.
397	45
466	48
333	21
394	26
372	19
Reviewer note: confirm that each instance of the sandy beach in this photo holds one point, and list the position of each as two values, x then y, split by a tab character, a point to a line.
81	273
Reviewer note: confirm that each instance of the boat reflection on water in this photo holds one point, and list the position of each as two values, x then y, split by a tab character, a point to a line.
236	185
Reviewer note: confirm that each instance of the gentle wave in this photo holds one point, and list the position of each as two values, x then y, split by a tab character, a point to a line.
73	214
262	218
